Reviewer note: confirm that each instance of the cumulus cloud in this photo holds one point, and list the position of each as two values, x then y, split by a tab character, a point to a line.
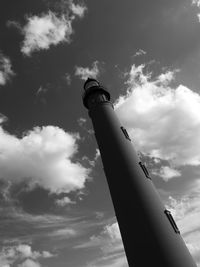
84	72
50	28
167	173
6	71
196	2
24	253
41	32
77	9
163	121
29	263
43	157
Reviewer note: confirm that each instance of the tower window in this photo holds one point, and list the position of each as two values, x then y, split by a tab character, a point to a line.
171	219
144	170
125	133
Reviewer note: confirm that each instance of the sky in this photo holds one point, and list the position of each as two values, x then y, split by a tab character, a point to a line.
55	204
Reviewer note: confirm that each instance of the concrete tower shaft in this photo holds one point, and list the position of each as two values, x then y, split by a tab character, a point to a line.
149	232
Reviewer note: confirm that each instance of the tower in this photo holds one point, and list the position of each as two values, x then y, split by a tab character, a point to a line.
149	232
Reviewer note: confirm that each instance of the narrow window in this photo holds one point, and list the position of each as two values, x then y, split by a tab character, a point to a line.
125	133
144	170
171	219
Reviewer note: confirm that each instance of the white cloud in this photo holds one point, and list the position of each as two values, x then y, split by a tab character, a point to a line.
81	121
166	78
166	173
64	201
116	260
140	52
51	28
63	233
29	263
164	122
42	157
84	73
109	240
78	9
97	155
110	243
196	2
41	91
6	71
112	231
41	32
22	252
67	78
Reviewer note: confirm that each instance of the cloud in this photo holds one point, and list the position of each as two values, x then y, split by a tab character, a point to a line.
50	28
23	253
41	32
6	72
166	173
26	252
84	73
63	233
116	260
64	201
196	2
67	78
97	155
109	240
42	157
78	9
163	121
41	91
140	52
164	79
110	243
29	263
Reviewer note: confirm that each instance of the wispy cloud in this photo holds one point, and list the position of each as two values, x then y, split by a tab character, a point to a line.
47	29
86	72
64	233
115	260
64	201
41	91
67	78
110	243
108	240
42	157
6	72
140	52
171	116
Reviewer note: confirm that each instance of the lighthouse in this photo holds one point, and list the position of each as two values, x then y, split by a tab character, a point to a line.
149	232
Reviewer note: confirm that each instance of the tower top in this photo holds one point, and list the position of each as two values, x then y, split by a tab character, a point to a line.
90	82
92	87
